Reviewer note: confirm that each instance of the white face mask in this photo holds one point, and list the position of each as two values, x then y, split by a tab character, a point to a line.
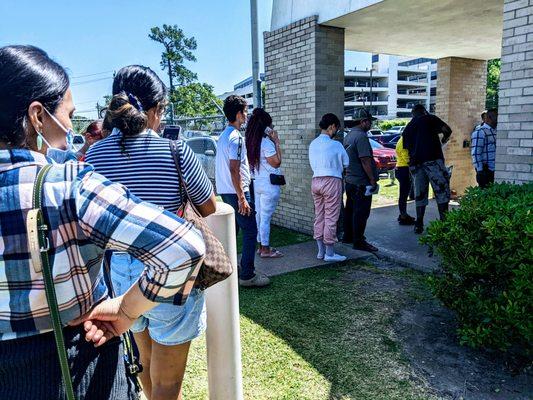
58	155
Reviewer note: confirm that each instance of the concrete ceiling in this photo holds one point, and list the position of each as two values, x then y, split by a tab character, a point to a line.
425	28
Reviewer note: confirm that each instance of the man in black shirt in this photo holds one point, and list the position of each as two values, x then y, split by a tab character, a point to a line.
426	161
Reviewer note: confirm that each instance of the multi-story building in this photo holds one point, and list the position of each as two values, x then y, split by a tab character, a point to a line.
245	89
389	89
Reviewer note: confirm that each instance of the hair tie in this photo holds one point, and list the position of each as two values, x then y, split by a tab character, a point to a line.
134	101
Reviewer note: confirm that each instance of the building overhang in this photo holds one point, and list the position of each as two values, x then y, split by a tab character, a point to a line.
416	28
426	28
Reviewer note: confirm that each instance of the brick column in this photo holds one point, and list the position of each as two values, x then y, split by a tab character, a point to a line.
514	154
304	73
461	95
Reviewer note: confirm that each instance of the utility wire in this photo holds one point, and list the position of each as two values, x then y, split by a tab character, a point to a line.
91	81
88	75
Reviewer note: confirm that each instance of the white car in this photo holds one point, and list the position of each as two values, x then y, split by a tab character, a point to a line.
78	141
395	130
205	148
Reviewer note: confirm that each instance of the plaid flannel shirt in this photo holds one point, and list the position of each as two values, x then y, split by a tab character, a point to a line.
484	147
86	214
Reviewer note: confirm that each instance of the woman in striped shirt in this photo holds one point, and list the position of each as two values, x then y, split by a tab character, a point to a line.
85	214
137	157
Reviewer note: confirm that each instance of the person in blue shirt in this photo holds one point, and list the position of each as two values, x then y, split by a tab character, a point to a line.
483	149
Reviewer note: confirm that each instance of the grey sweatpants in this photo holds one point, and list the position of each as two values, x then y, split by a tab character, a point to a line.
436	173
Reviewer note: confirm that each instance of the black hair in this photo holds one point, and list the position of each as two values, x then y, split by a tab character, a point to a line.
233	105
329	119
255	131
136	89
142	83
419	110
27	74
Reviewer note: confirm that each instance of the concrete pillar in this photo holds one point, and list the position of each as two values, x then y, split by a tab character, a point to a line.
514	153
304	74
461	95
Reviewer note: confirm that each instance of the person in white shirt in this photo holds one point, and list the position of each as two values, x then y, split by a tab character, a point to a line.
264	156
232	177
328	158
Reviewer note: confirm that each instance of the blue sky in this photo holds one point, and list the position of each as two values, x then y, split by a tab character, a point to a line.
92	38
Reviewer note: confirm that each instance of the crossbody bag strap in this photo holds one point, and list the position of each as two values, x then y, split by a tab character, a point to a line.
40	229
176	155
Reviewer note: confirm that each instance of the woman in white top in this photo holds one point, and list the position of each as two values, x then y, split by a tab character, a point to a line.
328	158
264	157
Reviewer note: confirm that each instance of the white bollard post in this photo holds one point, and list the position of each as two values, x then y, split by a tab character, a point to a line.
224	368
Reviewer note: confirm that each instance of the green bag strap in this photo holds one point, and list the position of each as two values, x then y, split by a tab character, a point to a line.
42	231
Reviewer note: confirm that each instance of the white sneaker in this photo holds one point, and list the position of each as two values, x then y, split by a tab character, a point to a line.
320	256
258	280
334	258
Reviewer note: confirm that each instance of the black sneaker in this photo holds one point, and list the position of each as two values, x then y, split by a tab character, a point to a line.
365	246
419	228
406	219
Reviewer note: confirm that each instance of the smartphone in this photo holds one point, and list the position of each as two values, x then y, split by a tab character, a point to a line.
268	131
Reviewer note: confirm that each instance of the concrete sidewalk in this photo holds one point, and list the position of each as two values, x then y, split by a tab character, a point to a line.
301	256
395	242
399	243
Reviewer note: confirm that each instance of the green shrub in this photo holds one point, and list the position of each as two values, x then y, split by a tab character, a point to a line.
486	247
385	125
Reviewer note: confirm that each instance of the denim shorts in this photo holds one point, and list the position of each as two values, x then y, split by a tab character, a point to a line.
167	324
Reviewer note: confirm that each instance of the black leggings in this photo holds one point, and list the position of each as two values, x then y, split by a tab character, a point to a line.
404	177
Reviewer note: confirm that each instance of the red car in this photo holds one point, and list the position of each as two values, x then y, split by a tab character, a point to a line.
385	158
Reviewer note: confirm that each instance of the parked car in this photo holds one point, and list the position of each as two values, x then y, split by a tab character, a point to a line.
78	141
391	144
395	130
205	148
385	158
375	132
385	138
186	135
172	132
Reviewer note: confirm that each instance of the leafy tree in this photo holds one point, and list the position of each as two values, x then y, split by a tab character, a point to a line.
178	49
493	80
195	99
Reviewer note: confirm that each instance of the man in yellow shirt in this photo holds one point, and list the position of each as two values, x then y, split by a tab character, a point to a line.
404	177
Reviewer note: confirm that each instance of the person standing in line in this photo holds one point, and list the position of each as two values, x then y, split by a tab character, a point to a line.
264	156
86	214
483	120
93	133
426	161
233	178
404	178
484	149
328	160
135	156
361	181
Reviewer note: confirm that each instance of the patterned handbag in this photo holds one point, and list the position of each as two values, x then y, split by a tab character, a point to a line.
216	266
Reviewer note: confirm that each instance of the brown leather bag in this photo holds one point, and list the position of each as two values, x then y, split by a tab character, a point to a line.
216	266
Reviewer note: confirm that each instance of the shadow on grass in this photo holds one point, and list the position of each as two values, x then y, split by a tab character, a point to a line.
342	330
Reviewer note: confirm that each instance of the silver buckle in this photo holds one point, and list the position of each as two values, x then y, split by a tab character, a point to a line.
47	247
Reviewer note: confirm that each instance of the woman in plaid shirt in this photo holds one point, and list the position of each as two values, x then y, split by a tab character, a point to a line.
86	214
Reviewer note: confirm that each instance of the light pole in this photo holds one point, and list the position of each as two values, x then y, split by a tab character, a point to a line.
255	54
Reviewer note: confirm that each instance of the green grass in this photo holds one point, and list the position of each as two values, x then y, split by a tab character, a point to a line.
323	333
388	194
279	237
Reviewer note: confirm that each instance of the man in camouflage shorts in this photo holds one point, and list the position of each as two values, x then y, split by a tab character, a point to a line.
426	161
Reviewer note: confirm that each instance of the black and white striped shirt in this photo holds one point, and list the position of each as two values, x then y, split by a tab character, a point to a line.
147	168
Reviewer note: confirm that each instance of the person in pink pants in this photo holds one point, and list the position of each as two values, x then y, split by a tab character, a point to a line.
328	158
